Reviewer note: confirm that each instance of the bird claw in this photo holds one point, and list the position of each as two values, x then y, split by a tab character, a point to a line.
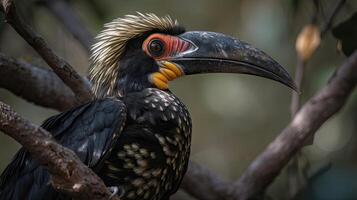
115	190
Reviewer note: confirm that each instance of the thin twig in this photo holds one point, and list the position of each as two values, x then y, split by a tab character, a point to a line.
295	180
78	84
38	85
295	100
297	176
69	174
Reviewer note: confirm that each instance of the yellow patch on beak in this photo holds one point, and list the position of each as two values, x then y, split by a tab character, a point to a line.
168	72
173	67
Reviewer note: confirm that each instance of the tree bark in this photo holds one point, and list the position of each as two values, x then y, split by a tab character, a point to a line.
38	85
64	70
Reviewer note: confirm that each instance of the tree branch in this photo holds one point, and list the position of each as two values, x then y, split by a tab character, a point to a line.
78	84
311	116
70	20
68	173
204	184
38	85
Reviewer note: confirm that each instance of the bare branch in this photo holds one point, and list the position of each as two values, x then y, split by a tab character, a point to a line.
38	85
78	84
203	184
70	20
69	174
311	116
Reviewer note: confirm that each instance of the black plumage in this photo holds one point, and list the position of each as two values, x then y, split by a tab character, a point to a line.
152	152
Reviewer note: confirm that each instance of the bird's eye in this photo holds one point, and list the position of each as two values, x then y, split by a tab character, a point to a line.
156	47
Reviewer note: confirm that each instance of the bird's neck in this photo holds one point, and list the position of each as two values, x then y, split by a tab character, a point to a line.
129	84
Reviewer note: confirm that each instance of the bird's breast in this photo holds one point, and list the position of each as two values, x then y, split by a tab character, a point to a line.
151	155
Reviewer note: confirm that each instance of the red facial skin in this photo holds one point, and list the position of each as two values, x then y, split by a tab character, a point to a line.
173	45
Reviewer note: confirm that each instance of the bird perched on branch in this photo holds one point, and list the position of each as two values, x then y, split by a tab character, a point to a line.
136	134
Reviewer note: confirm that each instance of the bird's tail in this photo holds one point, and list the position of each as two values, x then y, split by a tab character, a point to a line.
24	179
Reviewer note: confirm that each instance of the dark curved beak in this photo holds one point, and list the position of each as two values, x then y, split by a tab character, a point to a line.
215	52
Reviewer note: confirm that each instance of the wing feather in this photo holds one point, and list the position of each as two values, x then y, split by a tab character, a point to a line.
90	130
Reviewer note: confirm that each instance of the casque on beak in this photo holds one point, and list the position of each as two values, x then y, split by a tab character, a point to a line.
219	53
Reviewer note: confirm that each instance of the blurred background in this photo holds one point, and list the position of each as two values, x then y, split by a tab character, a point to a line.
234	116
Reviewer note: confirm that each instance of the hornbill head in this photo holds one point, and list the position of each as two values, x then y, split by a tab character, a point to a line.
143	50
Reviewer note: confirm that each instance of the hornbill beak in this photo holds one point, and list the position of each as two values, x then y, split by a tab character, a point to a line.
218	53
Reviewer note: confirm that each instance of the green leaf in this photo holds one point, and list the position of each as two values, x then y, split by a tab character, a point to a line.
346	32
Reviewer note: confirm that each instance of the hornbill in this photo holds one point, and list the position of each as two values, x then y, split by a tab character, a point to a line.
136	134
